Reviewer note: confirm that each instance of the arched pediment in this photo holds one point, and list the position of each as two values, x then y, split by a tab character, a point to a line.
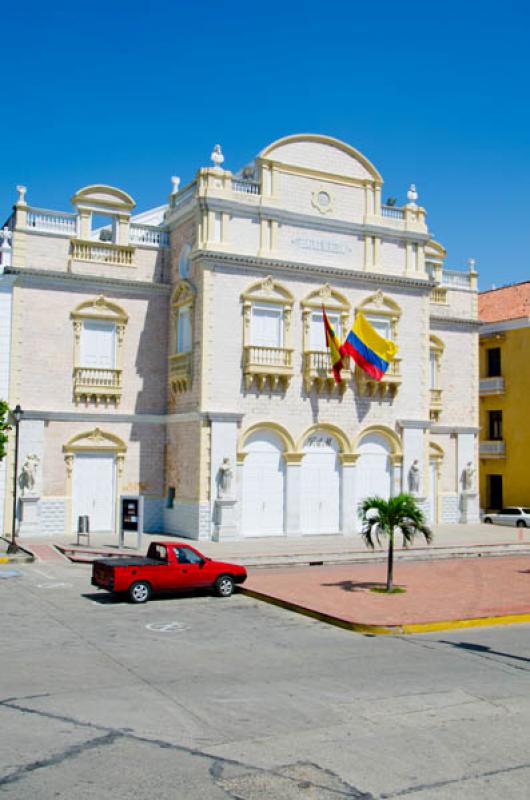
268	290
380	303
436	452
381	430
281	432
326	296
322	153
100	308
95	439
183	294
101	197
331	430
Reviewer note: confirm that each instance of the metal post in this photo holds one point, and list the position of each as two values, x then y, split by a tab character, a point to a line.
17	416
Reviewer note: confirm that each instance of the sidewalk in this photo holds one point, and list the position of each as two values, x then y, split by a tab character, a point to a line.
450	541
438	595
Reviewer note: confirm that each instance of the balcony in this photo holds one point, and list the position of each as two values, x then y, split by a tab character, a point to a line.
103	252
439	295
97	385
318	372
491	386
386	387
180	372
492	449
435	404
40	219
267	365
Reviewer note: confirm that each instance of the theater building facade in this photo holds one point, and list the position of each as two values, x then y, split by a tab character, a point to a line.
179	353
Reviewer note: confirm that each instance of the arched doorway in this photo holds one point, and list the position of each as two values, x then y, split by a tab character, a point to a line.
263	485
374	467
320	477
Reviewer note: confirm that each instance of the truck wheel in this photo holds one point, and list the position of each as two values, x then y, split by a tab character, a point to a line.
139	592
487	521
224	586
521	523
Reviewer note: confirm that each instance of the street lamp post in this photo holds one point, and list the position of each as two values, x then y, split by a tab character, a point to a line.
16	415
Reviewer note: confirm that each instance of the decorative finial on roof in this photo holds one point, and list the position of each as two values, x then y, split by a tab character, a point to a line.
217	156
412	194
471	264
21	200
175	180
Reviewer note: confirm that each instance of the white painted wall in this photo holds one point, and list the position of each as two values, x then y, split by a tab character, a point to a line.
6	304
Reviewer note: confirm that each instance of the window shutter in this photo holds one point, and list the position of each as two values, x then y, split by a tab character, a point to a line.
98	344
266	328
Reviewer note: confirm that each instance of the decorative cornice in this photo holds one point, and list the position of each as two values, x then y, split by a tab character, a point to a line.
223	416
52	276
470	322
261	263
423	424
453	429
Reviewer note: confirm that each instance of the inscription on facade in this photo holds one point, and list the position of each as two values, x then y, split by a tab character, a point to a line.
321	245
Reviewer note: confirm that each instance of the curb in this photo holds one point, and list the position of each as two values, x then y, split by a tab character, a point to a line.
385	630
22	556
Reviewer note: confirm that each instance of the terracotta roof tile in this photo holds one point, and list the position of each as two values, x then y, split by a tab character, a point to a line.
506	302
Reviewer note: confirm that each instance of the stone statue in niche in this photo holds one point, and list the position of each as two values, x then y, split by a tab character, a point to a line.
28	474
226	475
468	477
414	477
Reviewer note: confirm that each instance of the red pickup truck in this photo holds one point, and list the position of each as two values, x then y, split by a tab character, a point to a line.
168	567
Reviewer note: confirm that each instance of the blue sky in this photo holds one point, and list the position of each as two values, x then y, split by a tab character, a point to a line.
130	94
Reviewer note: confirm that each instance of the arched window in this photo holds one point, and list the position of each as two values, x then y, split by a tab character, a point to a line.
436	349
99	328
267	350
180	359
317	364
383	314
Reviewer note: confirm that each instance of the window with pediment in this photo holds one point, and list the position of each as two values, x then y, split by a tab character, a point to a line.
436	349
99	328
383	314
316	357
267	350
181	357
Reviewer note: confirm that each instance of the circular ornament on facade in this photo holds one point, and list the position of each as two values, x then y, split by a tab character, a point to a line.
185	261
322	201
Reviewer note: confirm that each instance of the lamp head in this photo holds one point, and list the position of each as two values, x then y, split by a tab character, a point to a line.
17	413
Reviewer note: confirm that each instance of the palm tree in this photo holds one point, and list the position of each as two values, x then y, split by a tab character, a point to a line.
385	517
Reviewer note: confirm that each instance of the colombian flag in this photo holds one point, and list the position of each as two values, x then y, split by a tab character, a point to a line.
368	348
334	347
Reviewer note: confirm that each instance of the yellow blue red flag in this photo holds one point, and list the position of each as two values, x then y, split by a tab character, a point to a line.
371	351
333	343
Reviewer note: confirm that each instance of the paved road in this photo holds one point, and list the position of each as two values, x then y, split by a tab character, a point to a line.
205	698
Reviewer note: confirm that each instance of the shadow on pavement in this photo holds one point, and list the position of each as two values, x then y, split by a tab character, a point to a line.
356	586
482	649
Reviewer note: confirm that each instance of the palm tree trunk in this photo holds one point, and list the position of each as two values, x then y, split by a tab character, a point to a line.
390	564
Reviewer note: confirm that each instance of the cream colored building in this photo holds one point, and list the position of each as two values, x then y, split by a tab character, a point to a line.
146	350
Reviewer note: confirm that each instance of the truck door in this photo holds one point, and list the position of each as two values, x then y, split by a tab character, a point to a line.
192	568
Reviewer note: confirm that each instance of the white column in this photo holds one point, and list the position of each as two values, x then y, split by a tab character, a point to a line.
292	493
349	519
6	305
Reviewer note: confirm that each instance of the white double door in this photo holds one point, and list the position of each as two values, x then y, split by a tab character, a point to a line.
373	470
94	491
263	486
320	509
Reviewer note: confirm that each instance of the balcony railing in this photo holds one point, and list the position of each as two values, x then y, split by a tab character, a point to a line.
180	372
94	383
247	187
148	235
392	211
105	253
318	372
267	364
439	295
388	385
455	278
491	386
40	219
492	449
435	404
186	194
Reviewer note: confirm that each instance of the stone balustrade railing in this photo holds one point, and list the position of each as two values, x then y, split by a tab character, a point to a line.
52	221
94	383
148	235
106	253
457	279
392	211
184	196
268	356
247	187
